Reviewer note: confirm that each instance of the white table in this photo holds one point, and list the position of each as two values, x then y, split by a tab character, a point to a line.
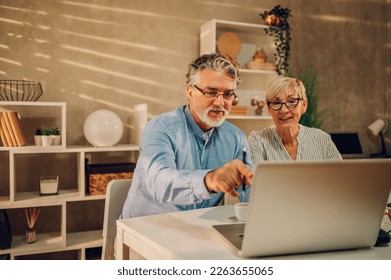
189	235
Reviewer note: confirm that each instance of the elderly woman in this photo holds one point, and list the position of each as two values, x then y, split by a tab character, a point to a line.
287	139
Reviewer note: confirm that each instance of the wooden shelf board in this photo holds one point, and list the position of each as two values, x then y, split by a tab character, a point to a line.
84	239
35	149
4	200
255	71
34	104
34	197
87	197
239	25
233	117
45	242
116	148
70	149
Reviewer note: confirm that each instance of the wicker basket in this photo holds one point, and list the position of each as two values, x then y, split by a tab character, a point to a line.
20	90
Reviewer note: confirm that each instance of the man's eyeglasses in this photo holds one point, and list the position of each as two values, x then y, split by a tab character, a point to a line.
290	104
228	95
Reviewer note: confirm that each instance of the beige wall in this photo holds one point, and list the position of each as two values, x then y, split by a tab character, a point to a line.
96	54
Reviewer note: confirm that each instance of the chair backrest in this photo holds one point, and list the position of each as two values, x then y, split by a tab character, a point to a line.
116	193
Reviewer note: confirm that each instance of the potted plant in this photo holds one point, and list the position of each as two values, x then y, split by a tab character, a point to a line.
312	117
277	20
46	136
38	136
56	135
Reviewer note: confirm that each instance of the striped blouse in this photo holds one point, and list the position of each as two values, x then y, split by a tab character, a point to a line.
313	144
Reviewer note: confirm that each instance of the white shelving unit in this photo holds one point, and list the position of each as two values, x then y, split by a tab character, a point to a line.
253	82
21	189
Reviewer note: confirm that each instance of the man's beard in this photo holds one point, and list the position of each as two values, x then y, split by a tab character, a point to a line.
203	115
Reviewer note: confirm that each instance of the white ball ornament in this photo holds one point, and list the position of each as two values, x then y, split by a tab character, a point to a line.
103	128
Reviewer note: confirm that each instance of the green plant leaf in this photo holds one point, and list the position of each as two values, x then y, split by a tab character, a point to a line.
312	117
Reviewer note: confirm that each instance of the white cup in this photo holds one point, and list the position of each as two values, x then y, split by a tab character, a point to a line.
241	210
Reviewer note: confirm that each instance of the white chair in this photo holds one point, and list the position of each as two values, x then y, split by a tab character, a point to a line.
116	193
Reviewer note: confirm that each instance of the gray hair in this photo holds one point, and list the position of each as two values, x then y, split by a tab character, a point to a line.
285	85
213	61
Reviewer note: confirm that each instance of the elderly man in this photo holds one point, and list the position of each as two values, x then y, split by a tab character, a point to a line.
190	157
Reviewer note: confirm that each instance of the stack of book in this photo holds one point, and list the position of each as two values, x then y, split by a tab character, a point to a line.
238	110
11	133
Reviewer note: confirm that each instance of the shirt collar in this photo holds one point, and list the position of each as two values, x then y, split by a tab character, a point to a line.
300	137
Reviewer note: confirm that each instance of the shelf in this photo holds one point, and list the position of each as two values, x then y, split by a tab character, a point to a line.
253	82
38	114
53	242
71	210
84	239
257	72
31	199
233	117
4	201
32	104
45	242
116	148
70	188
34	197
236	26
251	36
32	149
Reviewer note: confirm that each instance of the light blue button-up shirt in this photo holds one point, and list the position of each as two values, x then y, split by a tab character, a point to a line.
175	156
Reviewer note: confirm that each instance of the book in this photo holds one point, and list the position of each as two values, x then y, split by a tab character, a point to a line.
238	110
13	142
16	128
2	136
5	130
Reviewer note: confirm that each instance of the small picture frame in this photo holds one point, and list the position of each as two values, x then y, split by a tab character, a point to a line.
48	185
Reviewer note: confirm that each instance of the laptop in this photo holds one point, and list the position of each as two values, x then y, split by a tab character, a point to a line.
312	206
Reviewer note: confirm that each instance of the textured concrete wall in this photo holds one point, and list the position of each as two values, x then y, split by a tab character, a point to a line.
96	54
348	43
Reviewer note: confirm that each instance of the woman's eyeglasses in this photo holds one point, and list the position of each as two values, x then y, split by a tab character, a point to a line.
290	104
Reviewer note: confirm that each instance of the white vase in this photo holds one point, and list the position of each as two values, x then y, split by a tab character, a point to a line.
140	118
56	140
47	140
38	140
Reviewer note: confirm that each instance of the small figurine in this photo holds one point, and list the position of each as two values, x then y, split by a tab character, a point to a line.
260	55
259	61
259	103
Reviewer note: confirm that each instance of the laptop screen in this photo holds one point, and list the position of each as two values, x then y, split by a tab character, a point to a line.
347	143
